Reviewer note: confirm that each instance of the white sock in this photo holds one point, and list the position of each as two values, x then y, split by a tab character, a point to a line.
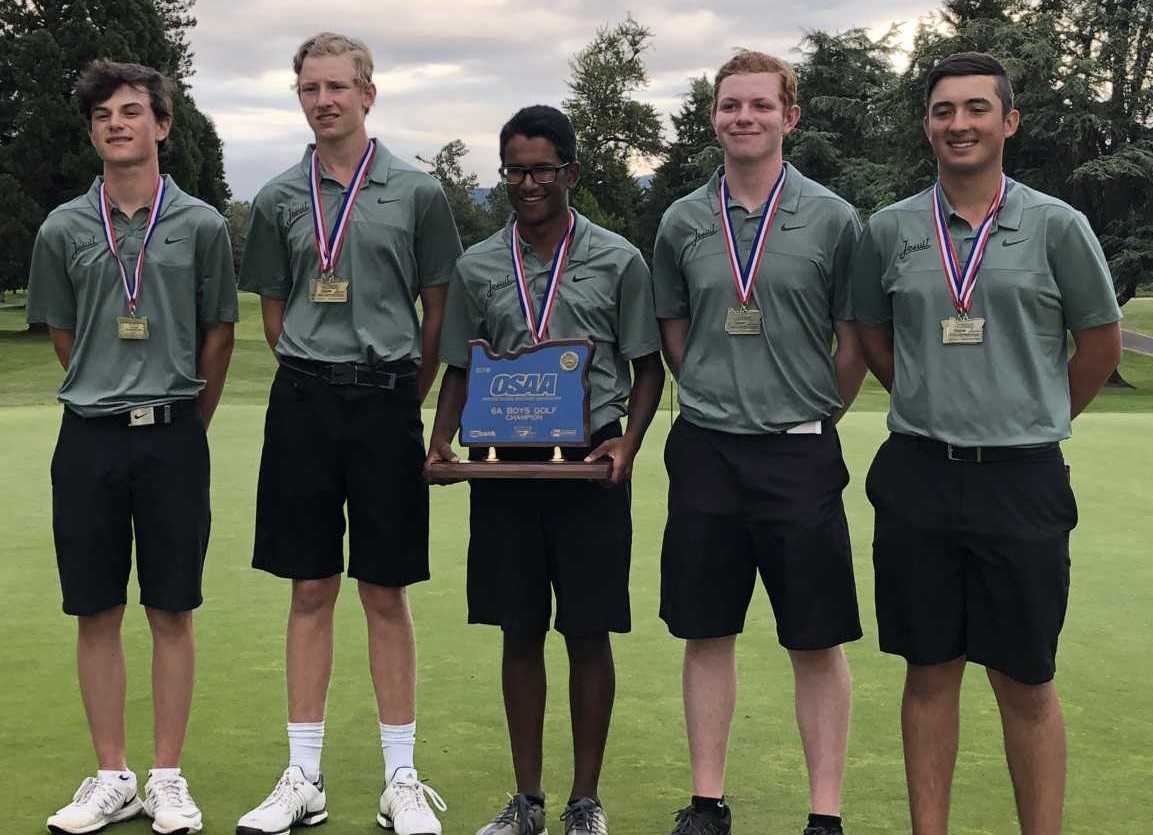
163	773
305	741
397	742
112	775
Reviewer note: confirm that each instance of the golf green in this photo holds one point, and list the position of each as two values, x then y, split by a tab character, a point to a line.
236	746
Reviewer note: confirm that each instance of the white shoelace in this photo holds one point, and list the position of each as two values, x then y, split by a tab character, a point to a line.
410	797
286	794
105	796
171	792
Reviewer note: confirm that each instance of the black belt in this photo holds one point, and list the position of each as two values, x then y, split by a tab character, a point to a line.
385	375
977	454
162	415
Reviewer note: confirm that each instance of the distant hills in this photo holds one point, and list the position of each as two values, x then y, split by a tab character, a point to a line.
480	195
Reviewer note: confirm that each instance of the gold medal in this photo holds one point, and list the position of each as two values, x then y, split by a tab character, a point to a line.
328	289
743	321
967	331
132	327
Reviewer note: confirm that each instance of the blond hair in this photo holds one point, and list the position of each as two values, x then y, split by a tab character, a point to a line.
746	62
330	43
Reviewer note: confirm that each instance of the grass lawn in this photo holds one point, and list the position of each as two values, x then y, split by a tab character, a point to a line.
236	743
1139	315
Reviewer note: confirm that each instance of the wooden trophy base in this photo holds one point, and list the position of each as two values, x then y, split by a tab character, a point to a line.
471	470
493	468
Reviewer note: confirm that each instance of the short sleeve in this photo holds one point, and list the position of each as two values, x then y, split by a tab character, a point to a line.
463	320
216	295
842	295
1082	274
871	305
51	297
265	267
437	241
637	332
670	293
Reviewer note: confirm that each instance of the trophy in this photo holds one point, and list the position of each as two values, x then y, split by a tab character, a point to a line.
523	404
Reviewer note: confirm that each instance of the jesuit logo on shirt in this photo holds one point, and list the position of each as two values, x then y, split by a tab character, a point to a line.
80	245
494	286
908	249
700	234
294	211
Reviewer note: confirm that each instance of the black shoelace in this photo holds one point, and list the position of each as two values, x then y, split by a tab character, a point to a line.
579	815
692	822
518	811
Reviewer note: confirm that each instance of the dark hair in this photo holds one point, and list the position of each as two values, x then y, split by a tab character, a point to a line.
972	63
543	121
102	78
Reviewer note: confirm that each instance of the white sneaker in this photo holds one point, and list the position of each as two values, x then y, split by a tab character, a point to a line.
404	809
294	802
96	804
170	805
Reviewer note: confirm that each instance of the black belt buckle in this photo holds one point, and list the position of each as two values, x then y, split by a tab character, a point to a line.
385	379
967	454
342	374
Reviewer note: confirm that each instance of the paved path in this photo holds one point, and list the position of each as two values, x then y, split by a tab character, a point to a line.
1138	342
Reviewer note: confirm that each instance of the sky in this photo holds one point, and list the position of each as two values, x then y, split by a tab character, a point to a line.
459	69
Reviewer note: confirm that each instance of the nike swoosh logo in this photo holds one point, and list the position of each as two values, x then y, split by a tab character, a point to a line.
122	776
786	228
383	200
1007	242
168	240
582	277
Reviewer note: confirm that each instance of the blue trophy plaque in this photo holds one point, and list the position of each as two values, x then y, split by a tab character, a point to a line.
533	398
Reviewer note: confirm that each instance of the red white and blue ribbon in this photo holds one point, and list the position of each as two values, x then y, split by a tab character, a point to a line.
538	320
962	280
745	275
329	245
131	291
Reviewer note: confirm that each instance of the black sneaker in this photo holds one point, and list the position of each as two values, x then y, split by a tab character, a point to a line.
823	830
693	822
584	816
520	816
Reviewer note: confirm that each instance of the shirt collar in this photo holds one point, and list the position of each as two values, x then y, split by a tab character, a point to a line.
790	200
171	193
381	165
1009	215
578	252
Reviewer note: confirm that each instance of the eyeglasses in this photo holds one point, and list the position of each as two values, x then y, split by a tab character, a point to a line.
542	175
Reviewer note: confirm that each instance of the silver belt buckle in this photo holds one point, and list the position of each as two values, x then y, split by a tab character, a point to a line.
142	417
949	454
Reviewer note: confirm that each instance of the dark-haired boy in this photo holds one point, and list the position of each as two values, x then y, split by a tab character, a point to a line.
965	293
134	280
530	538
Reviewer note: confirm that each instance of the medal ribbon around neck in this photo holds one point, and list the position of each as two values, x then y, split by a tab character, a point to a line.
538	322
745	275
961	281
131	291
329	245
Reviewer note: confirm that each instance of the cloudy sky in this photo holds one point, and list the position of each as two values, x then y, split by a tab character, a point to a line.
459	69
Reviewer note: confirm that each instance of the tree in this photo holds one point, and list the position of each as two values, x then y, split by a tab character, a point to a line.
843	81
612	128
472	220
686	162
238	214
45	155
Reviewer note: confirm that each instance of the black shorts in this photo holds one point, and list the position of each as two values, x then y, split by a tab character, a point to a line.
532	538
743	504
326	445
109	479
971	559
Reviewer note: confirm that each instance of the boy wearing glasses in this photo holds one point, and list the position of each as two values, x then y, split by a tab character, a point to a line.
532	538
339	248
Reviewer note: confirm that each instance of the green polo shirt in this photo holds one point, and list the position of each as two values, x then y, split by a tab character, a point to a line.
402	239
188	283
605	295
784	376
1043	274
